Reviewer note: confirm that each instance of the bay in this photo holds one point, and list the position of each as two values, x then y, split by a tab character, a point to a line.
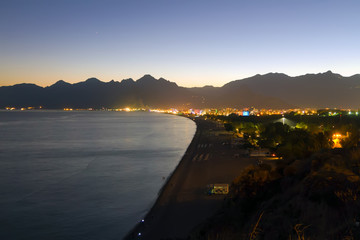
84	174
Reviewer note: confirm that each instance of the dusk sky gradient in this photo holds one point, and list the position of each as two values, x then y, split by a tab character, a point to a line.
193	43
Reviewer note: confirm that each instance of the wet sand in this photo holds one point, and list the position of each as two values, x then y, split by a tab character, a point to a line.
183	203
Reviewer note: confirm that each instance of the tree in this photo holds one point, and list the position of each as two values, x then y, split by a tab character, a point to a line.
274	134
297	143
228	127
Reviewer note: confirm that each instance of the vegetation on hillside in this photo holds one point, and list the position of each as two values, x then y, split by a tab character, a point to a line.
307	135
312	198
313	192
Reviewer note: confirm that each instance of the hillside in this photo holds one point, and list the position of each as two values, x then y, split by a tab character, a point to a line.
311	90
312	198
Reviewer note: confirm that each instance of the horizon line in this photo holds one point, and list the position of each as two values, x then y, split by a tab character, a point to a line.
239	79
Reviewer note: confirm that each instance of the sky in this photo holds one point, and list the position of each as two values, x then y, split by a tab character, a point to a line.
190	42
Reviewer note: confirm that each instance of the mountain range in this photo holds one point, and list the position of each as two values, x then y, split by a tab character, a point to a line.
272	90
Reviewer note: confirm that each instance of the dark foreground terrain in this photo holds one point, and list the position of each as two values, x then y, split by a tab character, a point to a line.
313	198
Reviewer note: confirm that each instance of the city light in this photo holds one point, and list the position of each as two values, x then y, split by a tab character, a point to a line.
336	138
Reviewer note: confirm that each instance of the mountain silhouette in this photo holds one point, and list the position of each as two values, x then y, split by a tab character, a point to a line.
272	90
311	90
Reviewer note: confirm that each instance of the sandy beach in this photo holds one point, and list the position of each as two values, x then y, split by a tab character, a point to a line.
183	203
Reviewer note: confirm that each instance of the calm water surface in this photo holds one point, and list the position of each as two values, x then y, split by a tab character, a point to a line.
84	175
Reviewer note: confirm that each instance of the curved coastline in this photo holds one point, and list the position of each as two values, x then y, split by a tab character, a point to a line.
182	203
116	183
162	189
139	227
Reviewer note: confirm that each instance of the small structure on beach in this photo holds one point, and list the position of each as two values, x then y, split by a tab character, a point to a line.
216	189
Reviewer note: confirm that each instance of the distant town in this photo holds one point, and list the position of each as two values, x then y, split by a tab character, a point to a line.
251	111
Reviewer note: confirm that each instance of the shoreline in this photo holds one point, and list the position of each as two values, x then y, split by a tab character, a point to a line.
133	233
173	172
182	204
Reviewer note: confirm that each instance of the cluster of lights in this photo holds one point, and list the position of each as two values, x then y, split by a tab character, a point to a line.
71	109
218	112
257	112
127	109
336	140
337	135
139	233
22	108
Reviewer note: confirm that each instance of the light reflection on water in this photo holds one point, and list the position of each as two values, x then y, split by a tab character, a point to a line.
83	175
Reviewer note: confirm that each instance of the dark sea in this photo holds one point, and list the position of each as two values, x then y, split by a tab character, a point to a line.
84	174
